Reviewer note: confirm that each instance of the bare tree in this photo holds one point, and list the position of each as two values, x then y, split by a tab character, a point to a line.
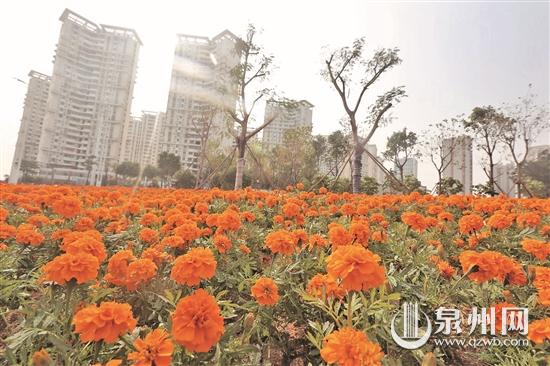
526	120
486	124
347	64
439	143
89	165
400	148
254	68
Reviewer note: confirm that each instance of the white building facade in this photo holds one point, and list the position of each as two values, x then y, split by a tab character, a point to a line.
89	100
457	153
202	90
410	167
30	130
141	139
285	116
369	167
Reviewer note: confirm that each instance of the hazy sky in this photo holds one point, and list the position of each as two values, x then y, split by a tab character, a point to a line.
456	55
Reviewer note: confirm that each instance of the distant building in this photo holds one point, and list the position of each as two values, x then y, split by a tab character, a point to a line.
410	167
90	99
285	117
141	139
503	179
457	153
369	167
535	151
30	130
201	87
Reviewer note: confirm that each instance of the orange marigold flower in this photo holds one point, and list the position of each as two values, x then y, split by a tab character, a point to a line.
222	243
528	219
28	235
201	208
348	209
117	269
500	221
281	241
83	267
7	231
445	216
173	241
38	220
447	271
265	291
323	285
197	323
538	248
148	235
469	224
149	219
84	223
140	271
155	349
360	232
539	330
498	315
357	267
248	216
415	220
229	220
291	209
188	231
380	236
196	265
490	265
41	358
67	207
338	235
88	245
316	240
105	322
243	248
543	297
350	347
155	254
3	214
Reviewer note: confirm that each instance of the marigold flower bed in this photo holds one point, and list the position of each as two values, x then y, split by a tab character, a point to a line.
121	276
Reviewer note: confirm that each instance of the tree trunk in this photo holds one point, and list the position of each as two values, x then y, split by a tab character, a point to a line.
518	183
492	176
356	169
239	173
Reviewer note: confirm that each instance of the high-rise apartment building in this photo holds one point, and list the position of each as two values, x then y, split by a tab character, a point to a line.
141	139
202	90
30	130
504	179
89	100
286	116
369	168
409	168
457	153
535	151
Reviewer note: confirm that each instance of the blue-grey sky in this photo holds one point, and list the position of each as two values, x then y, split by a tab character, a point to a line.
456	55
